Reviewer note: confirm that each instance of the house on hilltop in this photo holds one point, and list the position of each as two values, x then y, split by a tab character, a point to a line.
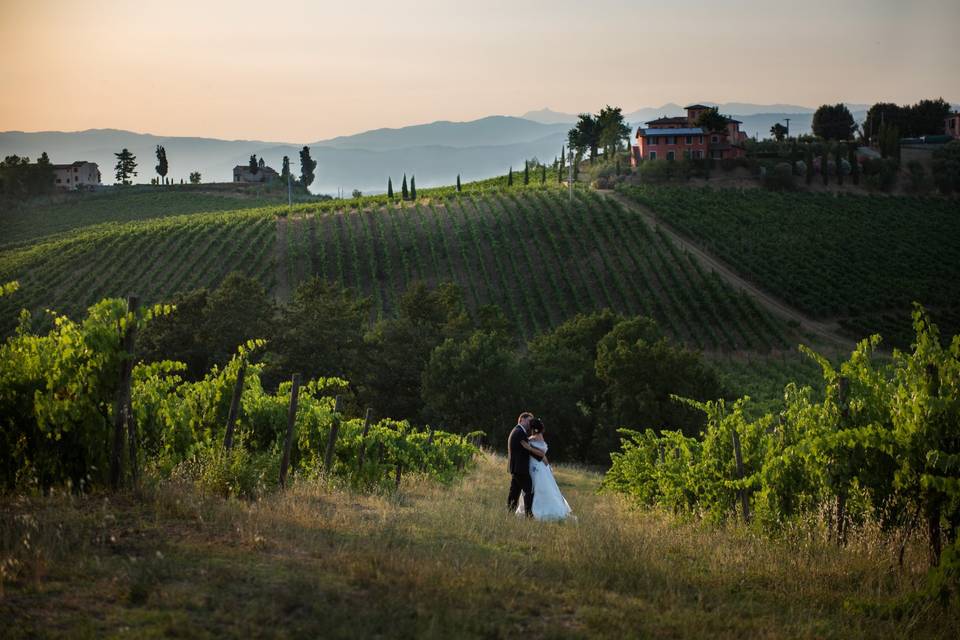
679	137
951	125
242	173
76	175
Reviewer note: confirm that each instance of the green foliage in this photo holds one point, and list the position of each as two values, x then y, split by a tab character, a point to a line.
778	131
126	166
926	117
390	188
20	179
195	177
307	166
880	445
829	256
405	192
712	120
946	168
833	122
162	165
413	187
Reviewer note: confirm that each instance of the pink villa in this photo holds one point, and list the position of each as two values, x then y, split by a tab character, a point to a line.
679	137
951	125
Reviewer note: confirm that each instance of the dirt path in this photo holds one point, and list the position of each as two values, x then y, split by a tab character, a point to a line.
828	332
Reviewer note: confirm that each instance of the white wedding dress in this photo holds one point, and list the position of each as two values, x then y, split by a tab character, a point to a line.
548	502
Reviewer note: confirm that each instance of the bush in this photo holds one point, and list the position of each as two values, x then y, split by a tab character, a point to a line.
920	182
729	164
781	178
881	174
800	168
946	168
237	473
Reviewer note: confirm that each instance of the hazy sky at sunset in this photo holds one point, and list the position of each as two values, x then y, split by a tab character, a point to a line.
301	71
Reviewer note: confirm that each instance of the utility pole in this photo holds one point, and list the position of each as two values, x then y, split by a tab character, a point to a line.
570	172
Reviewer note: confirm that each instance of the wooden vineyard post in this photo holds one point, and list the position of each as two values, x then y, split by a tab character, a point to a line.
843	391
122	414
235	405
462	458
745	500
291	421
399	471
332	439
363	438
933	512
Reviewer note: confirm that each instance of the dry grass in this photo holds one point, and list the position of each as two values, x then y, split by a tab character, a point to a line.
428	562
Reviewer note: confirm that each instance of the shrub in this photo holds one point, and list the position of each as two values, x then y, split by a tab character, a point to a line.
920	182
729	164
781	178
946	168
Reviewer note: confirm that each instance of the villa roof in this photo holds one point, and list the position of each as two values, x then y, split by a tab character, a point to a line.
698	106
670	120
688	131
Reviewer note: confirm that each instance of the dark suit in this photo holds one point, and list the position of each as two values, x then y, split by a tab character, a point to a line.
518	463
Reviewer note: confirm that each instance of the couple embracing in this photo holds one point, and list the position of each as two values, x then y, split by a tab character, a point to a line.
530	473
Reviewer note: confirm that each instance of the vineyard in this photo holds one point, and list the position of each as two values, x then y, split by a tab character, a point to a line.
859	260
530	251
47	217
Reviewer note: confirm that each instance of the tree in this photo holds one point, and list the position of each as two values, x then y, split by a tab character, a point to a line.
413	187
585	135
510	177
611	129
238	310
390	188
838	153
833	122
320	333
194	177
640	370
778	131
404	192
946	168
307	167
854	164
126	166
285	171
176	336
543	174
825	164
882	113
472	383
560	170
713	121
357	193
808	160
458	184
526	172
162	164
927	117
20	179
254	166
400	347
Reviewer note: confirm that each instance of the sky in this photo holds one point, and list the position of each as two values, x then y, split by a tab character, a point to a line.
302	71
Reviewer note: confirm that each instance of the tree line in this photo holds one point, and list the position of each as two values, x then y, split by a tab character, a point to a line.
437	363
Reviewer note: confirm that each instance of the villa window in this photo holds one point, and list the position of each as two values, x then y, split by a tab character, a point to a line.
701	139
670	155
653	142
689	139
653	155
714	139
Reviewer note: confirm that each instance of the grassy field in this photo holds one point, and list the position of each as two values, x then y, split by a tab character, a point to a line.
531	252
858	260
431	562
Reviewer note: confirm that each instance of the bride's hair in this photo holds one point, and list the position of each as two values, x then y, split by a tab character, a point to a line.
536	425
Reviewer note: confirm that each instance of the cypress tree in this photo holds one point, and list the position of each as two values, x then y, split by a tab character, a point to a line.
526	172
838	158
390	188
854	165
403	188
510	178
563	150
413	187
543	174
458	184
824	161
808	160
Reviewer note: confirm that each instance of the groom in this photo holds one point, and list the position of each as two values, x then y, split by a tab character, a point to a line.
518	463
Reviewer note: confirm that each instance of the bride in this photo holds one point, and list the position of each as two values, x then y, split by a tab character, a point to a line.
548	502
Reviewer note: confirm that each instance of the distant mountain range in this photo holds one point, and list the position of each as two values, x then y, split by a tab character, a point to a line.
434	152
